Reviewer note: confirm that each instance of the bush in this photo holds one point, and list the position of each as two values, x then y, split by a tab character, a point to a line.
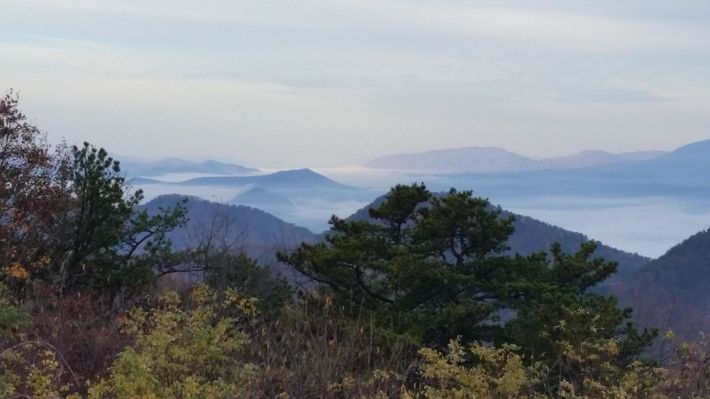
183	349
480	371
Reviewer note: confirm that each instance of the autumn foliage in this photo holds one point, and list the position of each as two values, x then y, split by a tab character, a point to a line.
420	301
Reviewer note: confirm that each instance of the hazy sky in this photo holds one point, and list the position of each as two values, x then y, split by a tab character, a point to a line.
324	82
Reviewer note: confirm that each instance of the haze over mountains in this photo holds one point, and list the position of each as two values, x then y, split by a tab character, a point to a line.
260	198
300	196
300	178
641	202
261	234
647	200
684	172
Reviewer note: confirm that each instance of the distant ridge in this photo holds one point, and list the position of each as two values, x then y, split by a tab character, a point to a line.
494	159
683	173
298	178
175	165
287	179
591	158
472	159
686	166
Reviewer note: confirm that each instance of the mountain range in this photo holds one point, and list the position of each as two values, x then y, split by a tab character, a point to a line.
683	173
669	292
261	234
287	179
494	159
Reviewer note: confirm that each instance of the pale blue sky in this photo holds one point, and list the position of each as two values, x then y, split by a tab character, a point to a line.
327	82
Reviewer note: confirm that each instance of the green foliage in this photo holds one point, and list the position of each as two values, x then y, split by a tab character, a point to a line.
560	313
102	241
426	266
183	351
34	368
432	267
480	371
11	316
497	373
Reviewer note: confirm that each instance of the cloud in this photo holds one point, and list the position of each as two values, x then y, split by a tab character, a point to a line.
394	18
581	94
329	81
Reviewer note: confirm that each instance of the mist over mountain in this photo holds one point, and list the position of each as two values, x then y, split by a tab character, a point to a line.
180	166
260	234
658	192
259	198
300	196
287	179
400	199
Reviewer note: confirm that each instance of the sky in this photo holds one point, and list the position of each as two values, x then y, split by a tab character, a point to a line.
338	82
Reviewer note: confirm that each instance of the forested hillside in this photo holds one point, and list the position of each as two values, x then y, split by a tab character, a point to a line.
103	297
238	229
671	292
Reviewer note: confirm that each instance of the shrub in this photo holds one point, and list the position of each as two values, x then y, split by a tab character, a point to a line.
183	349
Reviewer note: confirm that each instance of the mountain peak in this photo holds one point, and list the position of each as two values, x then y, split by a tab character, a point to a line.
300	172
292	179
303	177
464	159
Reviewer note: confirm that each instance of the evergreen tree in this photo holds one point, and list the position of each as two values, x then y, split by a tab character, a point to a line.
436	268
427	266
103	241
